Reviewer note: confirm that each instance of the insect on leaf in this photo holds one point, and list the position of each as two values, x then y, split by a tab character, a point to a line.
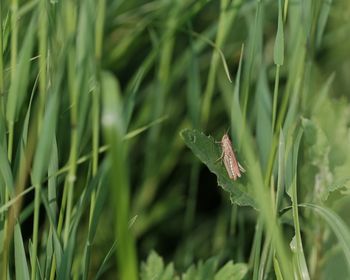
205	148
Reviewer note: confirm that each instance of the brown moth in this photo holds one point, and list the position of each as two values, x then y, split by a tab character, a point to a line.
232	166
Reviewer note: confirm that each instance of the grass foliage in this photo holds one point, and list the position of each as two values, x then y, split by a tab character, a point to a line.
110	113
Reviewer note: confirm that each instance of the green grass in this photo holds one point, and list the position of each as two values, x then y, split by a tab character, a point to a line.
110	113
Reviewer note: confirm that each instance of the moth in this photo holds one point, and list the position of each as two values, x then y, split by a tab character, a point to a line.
232	166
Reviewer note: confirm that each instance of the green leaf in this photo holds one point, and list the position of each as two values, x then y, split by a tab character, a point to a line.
52	170
103	265
296	244
337	225
236	113
43	152
20	81
20	255
322	20
277	268
202	271
207	269
205	148
95	218
154	269
53	231
281	170
232	271
292	161
190	273
114	132
5	170
68	255
278	54
316	152
130	99
263	118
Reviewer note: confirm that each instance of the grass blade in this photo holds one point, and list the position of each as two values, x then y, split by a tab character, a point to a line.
114	131
21	265
339	228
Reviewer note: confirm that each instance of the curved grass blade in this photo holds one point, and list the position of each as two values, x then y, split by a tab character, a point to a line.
338	226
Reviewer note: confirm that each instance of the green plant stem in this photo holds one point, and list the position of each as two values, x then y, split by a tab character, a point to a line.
14	38
35	229
257	248
72	164
42	98
14	35
42	53
59	227
100	18
2	86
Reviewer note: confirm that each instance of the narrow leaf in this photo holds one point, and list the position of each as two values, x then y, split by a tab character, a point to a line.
21	265
278	54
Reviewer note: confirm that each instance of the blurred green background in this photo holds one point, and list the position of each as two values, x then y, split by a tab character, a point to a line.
105	111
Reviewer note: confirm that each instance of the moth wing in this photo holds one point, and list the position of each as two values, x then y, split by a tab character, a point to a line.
229	167
241	167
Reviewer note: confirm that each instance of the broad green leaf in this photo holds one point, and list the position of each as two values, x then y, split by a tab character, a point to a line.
205	148
232	271
190	273
316	141
322	96
316	152
331	124
169	272
153	268
207	269
202	271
